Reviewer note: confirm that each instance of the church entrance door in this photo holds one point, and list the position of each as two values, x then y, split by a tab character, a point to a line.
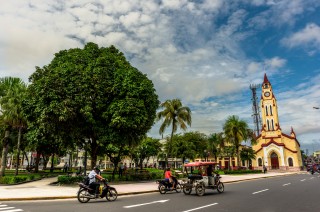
274	161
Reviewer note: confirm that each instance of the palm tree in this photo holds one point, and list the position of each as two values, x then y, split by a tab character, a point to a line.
216	143
247	154
11	97
174	114
236	131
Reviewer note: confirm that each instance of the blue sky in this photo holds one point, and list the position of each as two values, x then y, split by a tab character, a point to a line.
205	52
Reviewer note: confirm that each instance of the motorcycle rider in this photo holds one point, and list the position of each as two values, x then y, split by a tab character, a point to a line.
95	173
168	177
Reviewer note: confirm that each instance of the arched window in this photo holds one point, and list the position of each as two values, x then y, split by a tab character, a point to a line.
290	161
270	110
268	125
259	162
272	125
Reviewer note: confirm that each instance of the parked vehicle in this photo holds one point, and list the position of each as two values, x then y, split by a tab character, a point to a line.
165	186
201	181
86	193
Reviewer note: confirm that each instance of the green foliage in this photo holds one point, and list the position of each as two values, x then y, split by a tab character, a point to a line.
18	179
242	172
90	94
65	179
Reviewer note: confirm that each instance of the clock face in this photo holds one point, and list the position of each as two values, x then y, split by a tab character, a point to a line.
267	94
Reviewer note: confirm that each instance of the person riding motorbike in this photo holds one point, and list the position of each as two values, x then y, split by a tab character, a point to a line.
168	177
95	173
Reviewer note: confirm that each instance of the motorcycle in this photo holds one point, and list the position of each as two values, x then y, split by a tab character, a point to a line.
86	193
165	185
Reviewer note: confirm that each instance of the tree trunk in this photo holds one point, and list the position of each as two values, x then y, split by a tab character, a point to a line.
36	168
4	153
52	165
25	155
18	152
94	150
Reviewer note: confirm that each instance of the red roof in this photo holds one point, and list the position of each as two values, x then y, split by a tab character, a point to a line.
199	164
265	80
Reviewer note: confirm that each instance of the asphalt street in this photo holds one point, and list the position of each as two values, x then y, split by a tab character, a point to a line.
286	193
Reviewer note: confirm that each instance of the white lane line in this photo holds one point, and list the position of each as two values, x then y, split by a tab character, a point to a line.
205	206
286	184
260	191
302	180
311	178
14	210
3	205
148	203
6	208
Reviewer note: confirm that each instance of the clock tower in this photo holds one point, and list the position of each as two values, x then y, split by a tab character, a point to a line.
274	149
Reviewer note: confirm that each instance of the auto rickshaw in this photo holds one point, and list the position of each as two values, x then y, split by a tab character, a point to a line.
201	176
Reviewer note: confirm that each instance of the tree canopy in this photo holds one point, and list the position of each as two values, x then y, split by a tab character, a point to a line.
91	94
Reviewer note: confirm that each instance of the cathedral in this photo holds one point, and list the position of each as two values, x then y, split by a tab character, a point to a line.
274	149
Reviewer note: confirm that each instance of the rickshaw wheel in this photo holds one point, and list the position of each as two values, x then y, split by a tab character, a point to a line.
220	187
187	190
200	190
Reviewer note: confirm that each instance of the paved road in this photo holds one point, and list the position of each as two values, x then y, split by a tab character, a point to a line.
287	193
42	190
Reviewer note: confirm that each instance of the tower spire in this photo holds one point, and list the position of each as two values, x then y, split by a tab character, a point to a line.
265	79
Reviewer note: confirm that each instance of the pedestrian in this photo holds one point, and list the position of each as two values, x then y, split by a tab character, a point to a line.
125	168
65	167
121	169
264	169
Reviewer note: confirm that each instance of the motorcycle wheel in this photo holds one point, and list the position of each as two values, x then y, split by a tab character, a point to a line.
162	189
112	195
200	190
83	196
220	187
178	188
187	190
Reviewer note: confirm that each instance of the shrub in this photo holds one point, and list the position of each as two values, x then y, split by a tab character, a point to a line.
242	171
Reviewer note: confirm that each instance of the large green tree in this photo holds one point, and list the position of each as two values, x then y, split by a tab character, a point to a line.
236	131
92	94
174	114
11	96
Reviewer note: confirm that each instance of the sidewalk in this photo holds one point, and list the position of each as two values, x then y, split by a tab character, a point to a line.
42	190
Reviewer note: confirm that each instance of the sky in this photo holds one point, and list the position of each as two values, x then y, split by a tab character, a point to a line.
204	52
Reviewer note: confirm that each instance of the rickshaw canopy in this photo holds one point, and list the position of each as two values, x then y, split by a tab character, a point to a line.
193	164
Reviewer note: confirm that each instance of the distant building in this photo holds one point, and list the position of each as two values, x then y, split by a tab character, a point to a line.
274	149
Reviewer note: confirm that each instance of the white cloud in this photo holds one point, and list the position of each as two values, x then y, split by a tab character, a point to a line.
275	62
193	50
308	37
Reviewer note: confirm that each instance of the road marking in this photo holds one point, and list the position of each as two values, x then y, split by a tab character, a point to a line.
148	203
286	184
311	178
303	180
6	208
260	191
205	206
